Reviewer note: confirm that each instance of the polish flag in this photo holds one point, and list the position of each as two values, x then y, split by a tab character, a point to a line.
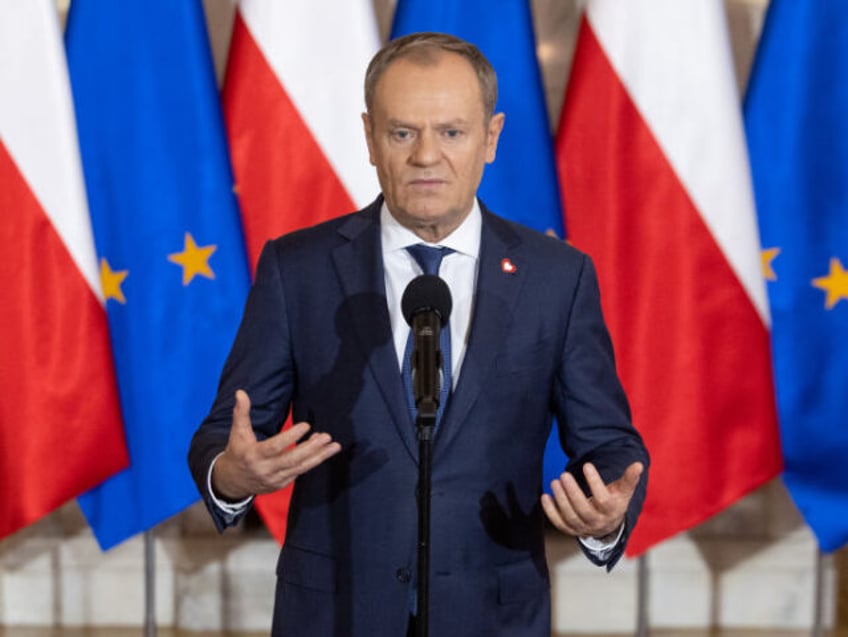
656	188
293	100
60	422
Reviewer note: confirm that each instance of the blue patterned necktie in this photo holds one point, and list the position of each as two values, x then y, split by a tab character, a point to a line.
429	258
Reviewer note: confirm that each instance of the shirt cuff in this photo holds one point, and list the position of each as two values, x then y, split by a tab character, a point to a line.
230	510
601	548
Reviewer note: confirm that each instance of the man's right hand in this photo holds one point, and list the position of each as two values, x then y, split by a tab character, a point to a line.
250	467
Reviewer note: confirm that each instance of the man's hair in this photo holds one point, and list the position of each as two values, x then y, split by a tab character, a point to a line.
425	48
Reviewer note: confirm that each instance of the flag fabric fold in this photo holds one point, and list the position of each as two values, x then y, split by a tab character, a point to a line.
168	235
796	118
60	421
656	189
292	102
521	185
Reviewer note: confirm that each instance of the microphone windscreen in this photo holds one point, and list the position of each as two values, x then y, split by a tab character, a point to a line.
426	293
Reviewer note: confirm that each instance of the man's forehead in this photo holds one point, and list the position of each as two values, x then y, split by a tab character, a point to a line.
452	70
427	59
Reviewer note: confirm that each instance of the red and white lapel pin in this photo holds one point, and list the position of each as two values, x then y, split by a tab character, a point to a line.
508	266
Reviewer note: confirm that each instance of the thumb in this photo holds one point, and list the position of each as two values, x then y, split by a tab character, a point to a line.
632	475
241	415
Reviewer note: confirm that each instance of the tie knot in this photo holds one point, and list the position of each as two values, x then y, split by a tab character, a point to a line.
428	257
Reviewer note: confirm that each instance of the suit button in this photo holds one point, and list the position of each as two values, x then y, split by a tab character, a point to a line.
403	575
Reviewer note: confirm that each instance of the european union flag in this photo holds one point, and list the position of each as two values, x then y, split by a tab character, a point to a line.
796	115
521	184
168	236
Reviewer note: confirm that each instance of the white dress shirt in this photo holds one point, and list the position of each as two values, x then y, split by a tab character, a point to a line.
458	270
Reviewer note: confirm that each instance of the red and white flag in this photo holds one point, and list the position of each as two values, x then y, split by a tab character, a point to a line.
60	422
656	188
293	98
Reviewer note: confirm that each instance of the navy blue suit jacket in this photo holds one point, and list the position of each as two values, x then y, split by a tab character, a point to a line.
316	338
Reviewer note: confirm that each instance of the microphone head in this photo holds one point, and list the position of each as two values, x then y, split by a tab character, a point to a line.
426	293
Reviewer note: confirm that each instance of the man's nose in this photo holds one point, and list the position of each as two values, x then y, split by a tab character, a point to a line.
426	150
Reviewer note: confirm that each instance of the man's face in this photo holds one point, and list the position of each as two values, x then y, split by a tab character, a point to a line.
429	139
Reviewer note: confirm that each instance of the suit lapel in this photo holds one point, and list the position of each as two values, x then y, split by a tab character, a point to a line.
500	277
359	266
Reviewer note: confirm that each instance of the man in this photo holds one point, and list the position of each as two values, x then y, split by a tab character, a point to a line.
323	333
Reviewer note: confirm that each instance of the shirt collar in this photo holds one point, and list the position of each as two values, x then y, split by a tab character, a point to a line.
465	239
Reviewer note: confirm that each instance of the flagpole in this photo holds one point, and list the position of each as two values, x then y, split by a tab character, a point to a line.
818	602
642	629
149	586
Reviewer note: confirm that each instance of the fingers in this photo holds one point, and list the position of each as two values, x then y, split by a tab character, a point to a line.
282	441
552	512
245	437
630	479
305	456
567	508
570	511
283	458
604	494
252	466
600	494
296	454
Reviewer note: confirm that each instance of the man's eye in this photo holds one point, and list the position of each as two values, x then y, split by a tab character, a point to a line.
401	135
453	133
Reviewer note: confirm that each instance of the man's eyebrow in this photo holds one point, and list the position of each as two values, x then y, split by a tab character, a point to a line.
399	123
453	123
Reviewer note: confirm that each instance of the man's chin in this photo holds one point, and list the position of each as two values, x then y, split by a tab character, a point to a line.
435	218
426	211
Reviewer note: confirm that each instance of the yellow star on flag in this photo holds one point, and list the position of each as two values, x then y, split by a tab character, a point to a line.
835	284
194	259
110	281
767	257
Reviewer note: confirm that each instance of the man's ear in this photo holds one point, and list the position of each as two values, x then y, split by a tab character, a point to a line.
493	133
369	136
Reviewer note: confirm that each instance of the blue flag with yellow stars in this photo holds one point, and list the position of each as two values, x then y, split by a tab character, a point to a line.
168	237
521	184
796	116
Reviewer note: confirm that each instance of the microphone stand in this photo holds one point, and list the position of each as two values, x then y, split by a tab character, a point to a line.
426	327
425	423
426	305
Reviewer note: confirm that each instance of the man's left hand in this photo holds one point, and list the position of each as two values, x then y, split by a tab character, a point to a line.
598	515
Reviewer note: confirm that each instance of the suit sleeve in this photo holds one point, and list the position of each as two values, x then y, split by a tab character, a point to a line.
260	362
592	410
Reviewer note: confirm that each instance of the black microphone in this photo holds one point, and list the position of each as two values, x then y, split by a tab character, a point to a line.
426	306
